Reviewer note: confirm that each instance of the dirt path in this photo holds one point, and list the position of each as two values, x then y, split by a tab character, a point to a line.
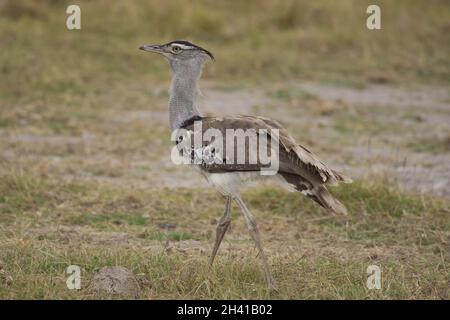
399	133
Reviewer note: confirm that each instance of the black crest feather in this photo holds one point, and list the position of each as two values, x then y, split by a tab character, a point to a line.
187	43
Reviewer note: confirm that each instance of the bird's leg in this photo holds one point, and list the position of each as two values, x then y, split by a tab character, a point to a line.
222	227
253	228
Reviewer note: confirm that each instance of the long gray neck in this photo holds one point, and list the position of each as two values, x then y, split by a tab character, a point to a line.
183	91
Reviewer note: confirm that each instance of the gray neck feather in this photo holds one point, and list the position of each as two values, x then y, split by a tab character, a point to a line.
183	91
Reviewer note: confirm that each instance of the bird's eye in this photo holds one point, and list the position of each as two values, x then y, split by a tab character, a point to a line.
176	49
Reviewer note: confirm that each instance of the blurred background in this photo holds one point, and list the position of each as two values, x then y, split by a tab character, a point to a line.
257	40
85	145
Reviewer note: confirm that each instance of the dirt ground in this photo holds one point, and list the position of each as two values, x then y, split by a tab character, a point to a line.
406	137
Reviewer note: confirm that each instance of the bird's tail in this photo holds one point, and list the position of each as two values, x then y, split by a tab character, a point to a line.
340	177
322	196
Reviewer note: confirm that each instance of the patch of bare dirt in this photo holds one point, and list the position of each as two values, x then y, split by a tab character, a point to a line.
382	95
385	154
220	103
417	171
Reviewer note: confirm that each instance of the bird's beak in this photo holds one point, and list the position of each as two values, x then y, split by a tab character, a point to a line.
152	48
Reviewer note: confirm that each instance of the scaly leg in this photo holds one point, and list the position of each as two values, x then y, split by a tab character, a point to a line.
253	228
222	227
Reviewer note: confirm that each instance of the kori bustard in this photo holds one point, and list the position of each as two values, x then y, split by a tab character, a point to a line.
298	168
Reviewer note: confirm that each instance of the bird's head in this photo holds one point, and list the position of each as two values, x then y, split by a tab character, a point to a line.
180	51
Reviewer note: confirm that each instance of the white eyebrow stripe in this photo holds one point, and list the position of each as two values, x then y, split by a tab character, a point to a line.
183	46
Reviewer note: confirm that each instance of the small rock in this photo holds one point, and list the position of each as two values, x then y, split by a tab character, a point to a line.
117	281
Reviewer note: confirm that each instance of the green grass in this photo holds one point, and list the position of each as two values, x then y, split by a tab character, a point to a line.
117	218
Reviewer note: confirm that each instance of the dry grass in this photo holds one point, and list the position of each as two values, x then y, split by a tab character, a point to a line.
49	225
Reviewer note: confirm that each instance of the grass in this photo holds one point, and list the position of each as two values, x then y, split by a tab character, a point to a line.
435	146
312	255
84	142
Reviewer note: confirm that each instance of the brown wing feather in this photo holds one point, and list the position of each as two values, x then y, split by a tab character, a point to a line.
302	157
294	158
